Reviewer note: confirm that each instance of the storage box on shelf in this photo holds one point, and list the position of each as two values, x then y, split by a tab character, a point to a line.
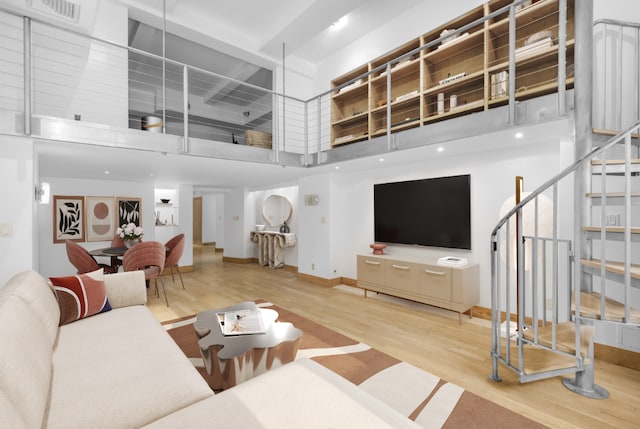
465	73
258	138
449	287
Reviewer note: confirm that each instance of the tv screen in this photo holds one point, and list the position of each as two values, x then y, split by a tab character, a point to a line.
429	212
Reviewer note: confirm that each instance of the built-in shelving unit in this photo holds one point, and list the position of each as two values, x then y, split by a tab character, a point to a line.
467	73
167	214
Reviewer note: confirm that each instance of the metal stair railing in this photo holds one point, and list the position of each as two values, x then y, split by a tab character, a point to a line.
540	290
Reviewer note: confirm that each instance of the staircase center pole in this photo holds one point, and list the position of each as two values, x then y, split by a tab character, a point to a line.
583	383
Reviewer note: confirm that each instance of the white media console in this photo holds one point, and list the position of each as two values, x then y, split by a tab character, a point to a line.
451	287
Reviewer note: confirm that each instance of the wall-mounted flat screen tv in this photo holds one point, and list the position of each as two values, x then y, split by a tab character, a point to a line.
429	212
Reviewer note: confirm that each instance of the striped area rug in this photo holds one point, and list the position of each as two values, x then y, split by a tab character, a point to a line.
428	400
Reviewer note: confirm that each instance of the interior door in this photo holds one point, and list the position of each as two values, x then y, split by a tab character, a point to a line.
197	220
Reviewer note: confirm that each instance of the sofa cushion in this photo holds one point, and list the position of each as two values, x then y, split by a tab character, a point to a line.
126	288
25	363
34	290
119	369
301	394
81	296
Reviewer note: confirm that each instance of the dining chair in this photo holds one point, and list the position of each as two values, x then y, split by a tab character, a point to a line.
148	256
83	261
175	248
117	242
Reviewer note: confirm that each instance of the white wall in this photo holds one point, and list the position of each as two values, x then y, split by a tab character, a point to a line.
75	75
622	10
347	202
315	226
209	218
17	185
53	256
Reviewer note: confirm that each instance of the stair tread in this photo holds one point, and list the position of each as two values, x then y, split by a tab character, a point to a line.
537	360
614	310
608	132
565	336
611	194
634	229
614	161
614	267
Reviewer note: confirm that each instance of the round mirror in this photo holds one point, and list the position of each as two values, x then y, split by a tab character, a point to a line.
276	210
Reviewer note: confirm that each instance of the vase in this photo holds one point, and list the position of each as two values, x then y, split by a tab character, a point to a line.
129	243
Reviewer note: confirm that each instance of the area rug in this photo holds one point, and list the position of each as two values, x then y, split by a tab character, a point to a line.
428	400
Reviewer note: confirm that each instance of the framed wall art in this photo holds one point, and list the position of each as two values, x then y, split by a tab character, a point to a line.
68	218
129	211
100	218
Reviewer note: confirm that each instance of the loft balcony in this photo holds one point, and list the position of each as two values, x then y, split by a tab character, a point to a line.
81	89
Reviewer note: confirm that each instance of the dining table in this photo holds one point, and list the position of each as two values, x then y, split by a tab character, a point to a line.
115	253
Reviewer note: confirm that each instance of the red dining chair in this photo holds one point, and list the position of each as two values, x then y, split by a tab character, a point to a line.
175	248
148	256
83	261
117	241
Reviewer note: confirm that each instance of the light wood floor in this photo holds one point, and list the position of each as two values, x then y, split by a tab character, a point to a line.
421	335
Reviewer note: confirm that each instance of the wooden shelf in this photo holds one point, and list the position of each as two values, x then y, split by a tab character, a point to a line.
460	44
351	119
475	56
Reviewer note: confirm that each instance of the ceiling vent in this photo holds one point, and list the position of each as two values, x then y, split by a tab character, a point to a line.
63	9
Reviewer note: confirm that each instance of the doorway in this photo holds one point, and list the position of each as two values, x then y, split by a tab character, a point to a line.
197	221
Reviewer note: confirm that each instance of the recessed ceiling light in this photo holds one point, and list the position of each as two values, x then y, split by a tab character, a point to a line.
340	23
337	167
381	160
519	135
106	172
440	149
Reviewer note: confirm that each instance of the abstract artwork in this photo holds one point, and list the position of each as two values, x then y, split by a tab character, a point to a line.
129	211
100	219
68	218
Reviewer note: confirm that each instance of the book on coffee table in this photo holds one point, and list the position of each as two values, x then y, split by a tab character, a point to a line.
241	322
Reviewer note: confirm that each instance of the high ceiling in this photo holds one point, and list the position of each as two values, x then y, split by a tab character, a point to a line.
262	27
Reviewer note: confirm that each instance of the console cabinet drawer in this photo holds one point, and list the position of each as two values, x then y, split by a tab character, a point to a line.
402	277
435	282
371	272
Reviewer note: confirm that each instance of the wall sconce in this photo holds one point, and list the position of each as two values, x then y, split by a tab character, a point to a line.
311	200
43	193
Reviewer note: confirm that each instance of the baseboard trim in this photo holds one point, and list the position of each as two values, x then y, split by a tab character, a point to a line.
237	260
183	269
320	281
349	282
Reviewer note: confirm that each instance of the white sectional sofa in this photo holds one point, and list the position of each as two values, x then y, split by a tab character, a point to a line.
120	369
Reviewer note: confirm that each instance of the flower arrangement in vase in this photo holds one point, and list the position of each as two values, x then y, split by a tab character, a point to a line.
130	234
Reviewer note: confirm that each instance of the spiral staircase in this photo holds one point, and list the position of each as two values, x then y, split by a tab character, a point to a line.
557	285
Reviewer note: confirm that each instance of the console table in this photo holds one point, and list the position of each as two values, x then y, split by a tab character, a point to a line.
452	288
271	246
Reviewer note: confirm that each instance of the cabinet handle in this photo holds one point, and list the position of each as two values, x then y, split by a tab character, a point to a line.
435	273
400	267
371	262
